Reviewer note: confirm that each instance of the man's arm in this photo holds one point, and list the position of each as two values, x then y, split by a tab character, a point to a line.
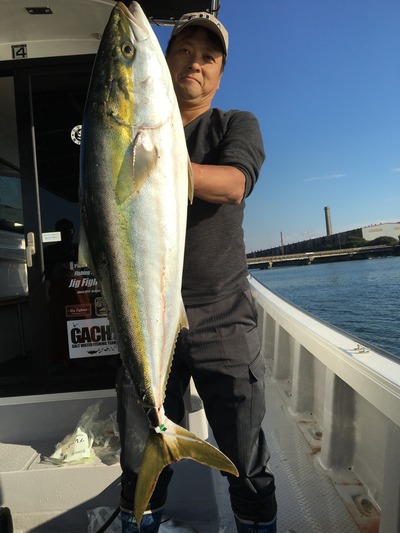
218	184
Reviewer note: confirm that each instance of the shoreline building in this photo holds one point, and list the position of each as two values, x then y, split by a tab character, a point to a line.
344	239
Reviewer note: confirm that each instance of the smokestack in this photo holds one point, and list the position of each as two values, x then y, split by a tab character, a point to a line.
328	221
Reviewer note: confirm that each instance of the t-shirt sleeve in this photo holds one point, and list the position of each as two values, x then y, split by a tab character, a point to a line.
242	147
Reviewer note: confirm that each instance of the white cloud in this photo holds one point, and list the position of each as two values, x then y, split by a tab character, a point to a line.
330	177
395	169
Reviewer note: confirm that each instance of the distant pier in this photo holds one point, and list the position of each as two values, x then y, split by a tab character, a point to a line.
326	256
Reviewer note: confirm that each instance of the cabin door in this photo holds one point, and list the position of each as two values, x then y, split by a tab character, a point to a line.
54	332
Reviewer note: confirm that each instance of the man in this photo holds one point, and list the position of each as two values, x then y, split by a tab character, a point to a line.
221	348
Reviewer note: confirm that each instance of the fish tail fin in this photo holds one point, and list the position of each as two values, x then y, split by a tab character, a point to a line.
167	444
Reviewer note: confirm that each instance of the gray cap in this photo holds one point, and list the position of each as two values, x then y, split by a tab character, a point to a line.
206	20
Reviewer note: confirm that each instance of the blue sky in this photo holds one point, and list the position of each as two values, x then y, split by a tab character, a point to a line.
323	79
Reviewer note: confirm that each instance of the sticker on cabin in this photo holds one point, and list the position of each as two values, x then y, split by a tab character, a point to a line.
91	338
19	51
76	134
51	236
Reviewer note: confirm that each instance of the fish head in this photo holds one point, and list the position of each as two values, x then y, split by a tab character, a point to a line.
130	98
131	83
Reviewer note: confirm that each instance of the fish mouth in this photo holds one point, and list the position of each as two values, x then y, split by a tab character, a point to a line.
138	26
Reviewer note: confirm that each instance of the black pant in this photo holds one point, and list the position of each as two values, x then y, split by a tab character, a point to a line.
221	351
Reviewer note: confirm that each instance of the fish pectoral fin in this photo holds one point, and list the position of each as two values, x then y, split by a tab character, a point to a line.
139	162
168	446
191	182
83	248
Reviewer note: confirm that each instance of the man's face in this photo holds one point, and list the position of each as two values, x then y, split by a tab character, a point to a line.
195	63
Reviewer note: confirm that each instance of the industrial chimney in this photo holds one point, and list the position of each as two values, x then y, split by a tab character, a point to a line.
328	221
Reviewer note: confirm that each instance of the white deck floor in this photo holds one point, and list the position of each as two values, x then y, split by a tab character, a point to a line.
307	499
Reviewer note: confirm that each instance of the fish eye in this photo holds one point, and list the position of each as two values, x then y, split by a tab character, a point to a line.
127	50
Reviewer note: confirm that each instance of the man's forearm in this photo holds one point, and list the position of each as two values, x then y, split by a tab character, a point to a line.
218	184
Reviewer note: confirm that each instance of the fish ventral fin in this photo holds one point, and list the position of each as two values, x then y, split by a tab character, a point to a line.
138	163
167	444
183	321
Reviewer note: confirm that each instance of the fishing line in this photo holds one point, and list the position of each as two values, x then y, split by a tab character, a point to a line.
162	430
110	520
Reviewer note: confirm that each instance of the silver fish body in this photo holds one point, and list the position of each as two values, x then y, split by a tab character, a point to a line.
134	189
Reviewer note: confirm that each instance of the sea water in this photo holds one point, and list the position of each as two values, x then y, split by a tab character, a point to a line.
361	297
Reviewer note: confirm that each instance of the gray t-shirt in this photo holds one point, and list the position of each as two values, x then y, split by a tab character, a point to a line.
215	261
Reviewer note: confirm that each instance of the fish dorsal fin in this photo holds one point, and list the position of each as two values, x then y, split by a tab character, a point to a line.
137	165
191	182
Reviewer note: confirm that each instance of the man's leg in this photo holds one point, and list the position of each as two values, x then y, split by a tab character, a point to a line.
228	369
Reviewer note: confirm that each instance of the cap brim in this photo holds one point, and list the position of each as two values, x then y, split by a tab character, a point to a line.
204	23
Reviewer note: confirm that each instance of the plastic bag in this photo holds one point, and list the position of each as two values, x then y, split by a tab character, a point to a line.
92	436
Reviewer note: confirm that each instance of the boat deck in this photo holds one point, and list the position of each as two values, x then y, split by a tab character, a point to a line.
308	501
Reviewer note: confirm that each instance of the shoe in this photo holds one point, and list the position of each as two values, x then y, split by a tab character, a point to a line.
150	523
248	526
6	524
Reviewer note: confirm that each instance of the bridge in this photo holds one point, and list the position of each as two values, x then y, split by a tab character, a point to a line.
325	256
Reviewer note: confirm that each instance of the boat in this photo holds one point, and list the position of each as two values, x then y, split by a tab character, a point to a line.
333	401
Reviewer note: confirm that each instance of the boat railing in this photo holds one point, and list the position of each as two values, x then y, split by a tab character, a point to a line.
345	395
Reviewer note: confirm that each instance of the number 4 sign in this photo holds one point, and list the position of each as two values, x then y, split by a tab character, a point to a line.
19	51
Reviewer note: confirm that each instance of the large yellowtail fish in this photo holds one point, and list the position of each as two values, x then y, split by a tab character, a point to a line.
135	184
